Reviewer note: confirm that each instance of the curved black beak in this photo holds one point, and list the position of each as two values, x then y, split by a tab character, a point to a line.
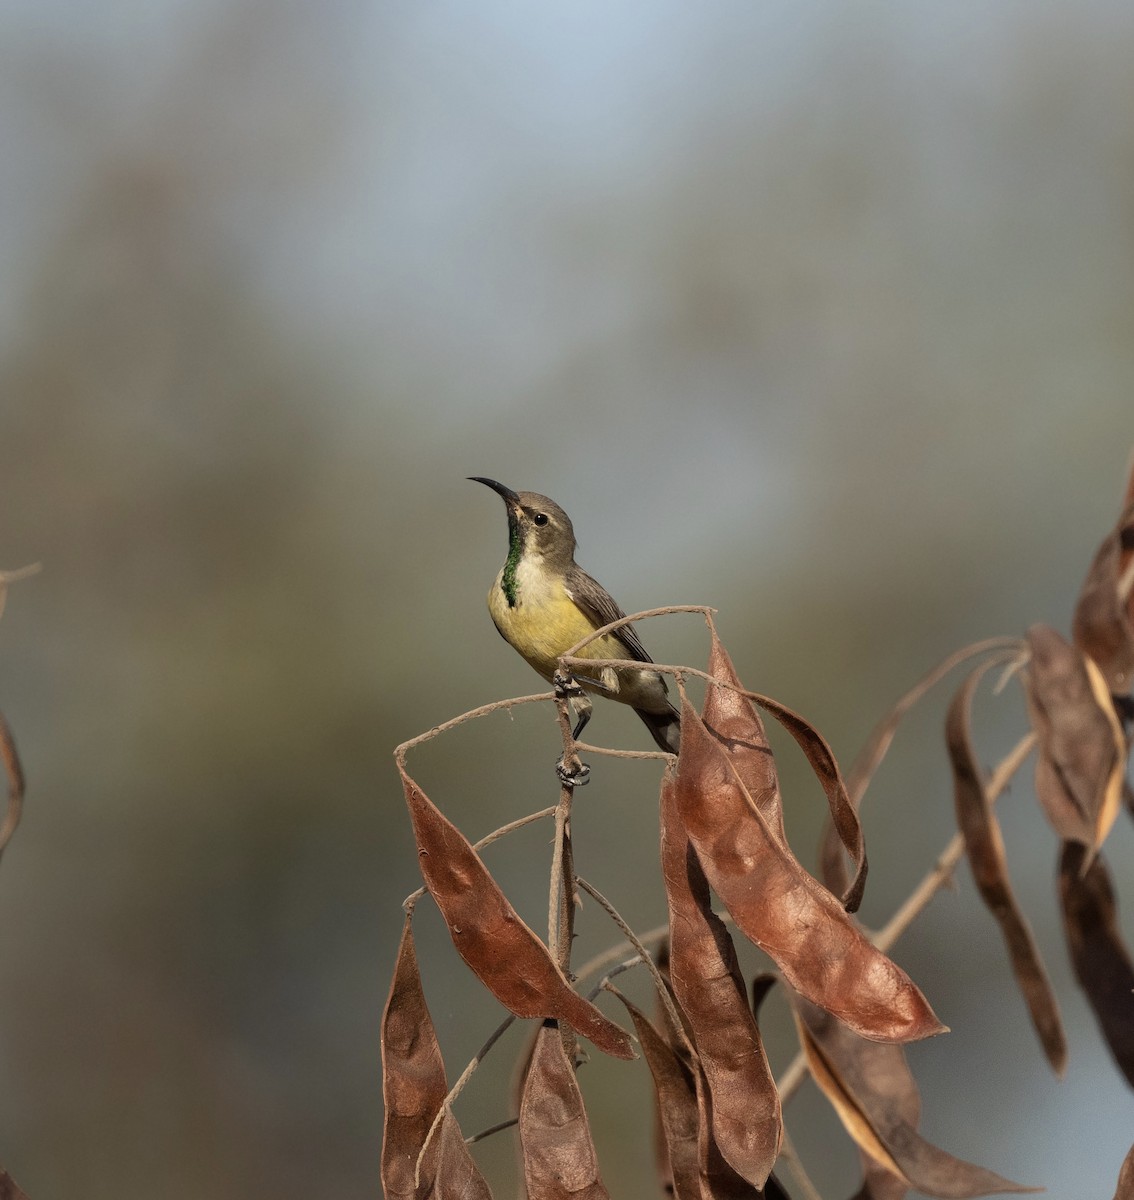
510	497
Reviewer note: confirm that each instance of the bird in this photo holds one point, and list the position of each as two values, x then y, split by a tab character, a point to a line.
542	602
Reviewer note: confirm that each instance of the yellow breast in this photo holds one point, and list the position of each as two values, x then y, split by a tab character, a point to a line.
545	622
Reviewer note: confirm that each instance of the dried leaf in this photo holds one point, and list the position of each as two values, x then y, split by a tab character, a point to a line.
734	721
985	849
833	870
1103	625
718	1179
708	985
780	907
676	1107
844	815
859	1080
1079	772
736	724
1098	954
559	1155
448	1171
1126	1178
507	957
846	1105
413	1075
888	1081
1066	817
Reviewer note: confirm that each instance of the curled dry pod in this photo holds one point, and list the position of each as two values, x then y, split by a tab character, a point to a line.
1103	625
778	905
985	849
706	980
558	1152
1082	751
844	815
506	956
717	1177
675	1095
1098	954
736	724
855	1076
888	1080
413	1075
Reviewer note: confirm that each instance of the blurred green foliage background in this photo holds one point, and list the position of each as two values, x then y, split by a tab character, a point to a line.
819	314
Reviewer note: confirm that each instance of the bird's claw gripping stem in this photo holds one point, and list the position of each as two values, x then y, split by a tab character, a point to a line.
566	686
573	777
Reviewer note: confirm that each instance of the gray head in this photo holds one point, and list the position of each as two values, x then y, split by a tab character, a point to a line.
536	524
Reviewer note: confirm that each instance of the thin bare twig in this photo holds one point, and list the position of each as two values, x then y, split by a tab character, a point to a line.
790	1155
610	752
870	757
7	577
456	1090
561	899
643	953
401	751
497	1128
518	823
626	965
611	955
563	689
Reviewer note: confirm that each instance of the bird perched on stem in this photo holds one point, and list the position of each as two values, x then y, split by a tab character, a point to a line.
543	602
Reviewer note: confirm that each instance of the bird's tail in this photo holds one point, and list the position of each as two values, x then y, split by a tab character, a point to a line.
665	727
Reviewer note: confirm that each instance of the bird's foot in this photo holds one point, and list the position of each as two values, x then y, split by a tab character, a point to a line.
566	686
574	773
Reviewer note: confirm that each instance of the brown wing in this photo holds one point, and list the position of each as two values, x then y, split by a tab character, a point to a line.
597	605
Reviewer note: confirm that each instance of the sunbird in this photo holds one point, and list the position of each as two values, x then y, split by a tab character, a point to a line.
542	602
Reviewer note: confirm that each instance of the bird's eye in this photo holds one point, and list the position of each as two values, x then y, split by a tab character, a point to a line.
540	519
